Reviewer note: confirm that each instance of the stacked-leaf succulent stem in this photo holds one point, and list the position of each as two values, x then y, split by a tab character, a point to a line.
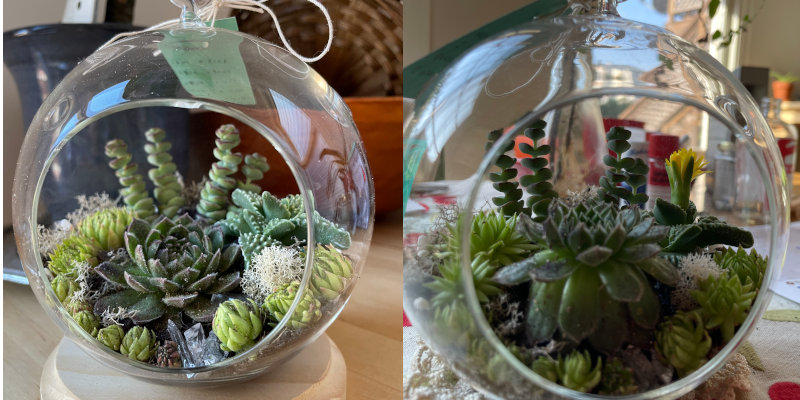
537	184
214	196
167	189
632	171
254	167
134	192
511	201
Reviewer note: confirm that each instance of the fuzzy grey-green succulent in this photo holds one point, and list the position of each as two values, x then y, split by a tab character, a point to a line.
724	302
593	271
683	342
261	220
171	265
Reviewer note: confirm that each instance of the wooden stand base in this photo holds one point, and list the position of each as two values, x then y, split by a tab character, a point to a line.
318	372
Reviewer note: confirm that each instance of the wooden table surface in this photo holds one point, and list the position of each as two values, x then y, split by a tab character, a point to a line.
368	331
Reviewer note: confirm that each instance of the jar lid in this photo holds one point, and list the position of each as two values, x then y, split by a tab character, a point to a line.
661	145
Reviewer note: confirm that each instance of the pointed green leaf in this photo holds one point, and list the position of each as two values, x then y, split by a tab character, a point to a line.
594	255
541	320
661	269
179	300
622	281
579	311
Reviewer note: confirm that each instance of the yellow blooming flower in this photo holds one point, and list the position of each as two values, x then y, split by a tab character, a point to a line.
681	160
683	166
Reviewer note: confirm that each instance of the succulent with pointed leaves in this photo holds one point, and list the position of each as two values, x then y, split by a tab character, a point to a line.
107	227
167	190
237	324
139	344
683	342
261	220
74	249
546	367
575	371
63	286
134	192
214	196
750	268
617	379
724	302
168	355
332	271
88	321
592	272
448	287
170	265
307	311
111	336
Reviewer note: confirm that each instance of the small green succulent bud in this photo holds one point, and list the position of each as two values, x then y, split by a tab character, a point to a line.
546	367
237	324
617	379
683	342
750	268
107	227
724	303
63	286
139	343
72	250
307	311
88	321
75	306
576	372
111	336
331	272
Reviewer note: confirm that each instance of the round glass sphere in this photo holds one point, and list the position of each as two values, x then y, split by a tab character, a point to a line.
219	97
508	149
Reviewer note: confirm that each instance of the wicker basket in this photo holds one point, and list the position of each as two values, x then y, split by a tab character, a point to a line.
366	54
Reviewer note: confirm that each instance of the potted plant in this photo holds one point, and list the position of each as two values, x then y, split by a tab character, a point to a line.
782	85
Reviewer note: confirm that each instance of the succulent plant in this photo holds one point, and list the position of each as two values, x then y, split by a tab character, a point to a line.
493	238
307	311
332	270
254	168
683	342
139	344
63	286
683	167
167	355
261	220
88	321
111	336
134	192
167	189
237	324
448	287
75	306
595	252
724	302
74	249
107	227
750	268
546	367
511	202
575	371
632	171
537	184
687	233
171	265
617	379
214	196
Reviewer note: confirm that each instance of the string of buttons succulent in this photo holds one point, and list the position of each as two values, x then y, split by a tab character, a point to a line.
150	276
582	288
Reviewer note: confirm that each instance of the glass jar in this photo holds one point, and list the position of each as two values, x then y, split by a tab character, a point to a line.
256	98
483	264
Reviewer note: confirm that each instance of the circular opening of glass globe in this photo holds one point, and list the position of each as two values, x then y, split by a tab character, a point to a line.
592	182
195	205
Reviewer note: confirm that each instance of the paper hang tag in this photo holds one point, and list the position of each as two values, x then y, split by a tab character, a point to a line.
209	65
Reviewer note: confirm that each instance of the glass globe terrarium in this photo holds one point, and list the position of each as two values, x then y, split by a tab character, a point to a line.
559	245
239	238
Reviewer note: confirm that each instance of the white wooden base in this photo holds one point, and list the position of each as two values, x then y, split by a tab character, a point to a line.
317	372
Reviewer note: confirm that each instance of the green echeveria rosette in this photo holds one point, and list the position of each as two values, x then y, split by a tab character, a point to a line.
237	324
575	371
63	286
111	336
617	379
683	342
332	271
87	321
307	311
74	249
750	268
139	344
107	227
724	303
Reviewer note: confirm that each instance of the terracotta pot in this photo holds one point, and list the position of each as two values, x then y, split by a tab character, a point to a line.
782	90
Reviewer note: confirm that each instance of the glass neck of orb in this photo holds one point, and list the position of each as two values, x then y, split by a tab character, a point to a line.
594	7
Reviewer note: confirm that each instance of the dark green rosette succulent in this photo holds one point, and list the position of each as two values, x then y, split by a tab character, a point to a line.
262	220
139	344
63	286
575	371
593	271
683	342
74	249
724	302
750	268
237	324
332	270
546	367
88	321
617	379
107	227
171	265
111	336
278	303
